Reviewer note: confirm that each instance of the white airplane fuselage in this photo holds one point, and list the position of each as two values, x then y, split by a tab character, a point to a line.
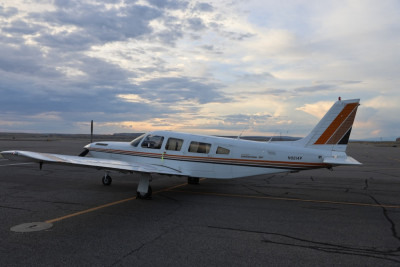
195	156
223	158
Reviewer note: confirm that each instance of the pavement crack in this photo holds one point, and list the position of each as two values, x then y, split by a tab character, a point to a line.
287	240
337	249
366	184
142	245
255	190
169	197
14	208
391	222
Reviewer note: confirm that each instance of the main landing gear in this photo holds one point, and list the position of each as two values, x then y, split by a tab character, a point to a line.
144	190
140	195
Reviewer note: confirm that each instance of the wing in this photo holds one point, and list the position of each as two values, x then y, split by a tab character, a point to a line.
108	164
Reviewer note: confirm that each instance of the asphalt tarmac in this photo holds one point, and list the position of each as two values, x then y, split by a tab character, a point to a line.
348	216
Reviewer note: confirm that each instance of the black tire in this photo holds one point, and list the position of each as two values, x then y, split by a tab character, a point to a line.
193	180
107	180
145	196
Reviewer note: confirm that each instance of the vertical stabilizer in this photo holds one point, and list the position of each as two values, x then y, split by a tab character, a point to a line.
333	131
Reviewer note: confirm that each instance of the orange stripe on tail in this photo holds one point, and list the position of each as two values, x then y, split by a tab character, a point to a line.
339	126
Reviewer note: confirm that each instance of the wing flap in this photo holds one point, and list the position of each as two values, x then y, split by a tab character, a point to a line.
28	156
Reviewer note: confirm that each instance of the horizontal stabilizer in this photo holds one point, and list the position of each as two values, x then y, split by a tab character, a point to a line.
341	161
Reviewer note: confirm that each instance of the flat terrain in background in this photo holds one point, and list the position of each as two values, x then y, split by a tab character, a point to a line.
348	216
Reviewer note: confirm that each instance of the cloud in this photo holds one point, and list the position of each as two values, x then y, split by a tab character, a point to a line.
182	89
203	7
196	24
94	23
314	88
8	11
20	26
317	109
192	64
169	4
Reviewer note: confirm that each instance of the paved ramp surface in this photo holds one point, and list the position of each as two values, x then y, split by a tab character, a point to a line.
349	216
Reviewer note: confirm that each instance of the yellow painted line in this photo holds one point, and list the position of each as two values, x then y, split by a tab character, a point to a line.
89	210
289	199
108	205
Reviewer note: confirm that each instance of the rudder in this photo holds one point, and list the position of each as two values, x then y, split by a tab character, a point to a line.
333	130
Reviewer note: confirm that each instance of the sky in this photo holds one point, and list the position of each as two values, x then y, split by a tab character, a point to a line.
253	67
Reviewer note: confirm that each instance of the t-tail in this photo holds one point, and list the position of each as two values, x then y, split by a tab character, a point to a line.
333	131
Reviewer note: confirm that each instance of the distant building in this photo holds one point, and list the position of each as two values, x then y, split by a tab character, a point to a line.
398	139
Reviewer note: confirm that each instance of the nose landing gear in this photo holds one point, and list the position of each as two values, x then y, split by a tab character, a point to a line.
107	180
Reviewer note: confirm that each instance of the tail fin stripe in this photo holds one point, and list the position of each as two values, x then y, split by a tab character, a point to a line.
345	138
343	129
336	123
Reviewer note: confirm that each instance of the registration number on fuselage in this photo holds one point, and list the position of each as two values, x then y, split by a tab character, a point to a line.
295	157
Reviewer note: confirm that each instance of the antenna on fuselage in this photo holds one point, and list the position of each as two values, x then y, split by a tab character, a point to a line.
250	125
238	137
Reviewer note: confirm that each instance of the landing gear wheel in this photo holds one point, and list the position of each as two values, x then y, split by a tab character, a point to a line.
107	180
193	180
145	196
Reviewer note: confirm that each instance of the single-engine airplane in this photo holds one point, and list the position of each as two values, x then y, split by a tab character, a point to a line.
194	156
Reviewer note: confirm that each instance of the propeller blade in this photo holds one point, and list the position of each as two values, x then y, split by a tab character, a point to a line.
84	152
91	131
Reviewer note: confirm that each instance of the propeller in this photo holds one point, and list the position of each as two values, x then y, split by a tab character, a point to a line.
86	151
91	131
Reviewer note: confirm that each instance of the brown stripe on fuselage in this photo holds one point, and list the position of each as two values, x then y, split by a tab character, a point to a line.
216	160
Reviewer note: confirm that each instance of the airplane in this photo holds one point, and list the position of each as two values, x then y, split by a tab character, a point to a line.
193	156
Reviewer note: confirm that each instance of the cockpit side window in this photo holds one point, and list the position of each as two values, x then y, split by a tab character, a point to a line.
153	141
198	147
222	150
137	140
174	144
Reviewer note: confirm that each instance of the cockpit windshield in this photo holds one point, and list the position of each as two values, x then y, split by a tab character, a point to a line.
153	141
137	140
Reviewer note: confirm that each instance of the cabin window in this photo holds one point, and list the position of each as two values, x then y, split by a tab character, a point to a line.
153	141
198	147
137	140
222	150
174	144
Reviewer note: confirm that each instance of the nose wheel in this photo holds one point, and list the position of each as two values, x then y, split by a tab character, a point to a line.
107	180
